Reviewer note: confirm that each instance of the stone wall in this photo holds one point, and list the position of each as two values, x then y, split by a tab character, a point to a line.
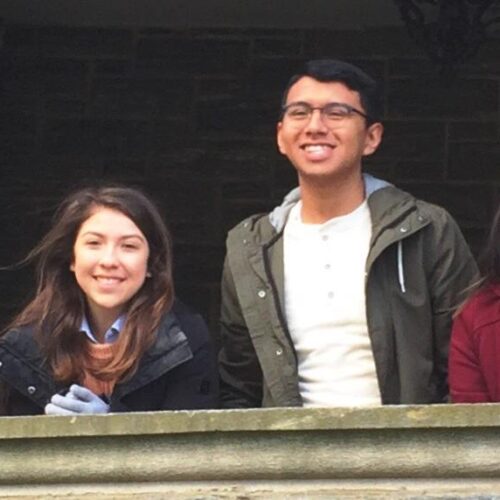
400	452
189	115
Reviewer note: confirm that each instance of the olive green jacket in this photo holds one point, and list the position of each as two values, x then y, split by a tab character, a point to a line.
417	271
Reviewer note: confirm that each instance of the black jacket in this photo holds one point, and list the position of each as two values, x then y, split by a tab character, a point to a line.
178	372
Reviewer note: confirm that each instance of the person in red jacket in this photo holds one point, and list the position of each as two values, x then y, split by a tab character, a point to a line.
474	360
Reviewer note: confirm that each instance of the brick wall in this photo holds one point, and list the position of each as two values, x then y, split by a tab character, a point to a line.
190	117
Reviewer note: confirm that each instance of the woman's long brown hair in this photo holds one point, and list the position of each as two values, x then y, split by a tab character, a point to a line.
489	261
57	310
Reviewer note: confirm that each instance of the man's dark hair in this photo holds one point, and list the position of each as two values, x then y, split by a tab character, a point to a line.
331	70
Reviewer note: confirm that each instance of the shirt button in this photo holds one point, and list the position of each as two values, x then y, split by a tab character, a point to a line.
31	389
261	294
330	295
1	364
403	229
327	266
245	242
324	237
279	351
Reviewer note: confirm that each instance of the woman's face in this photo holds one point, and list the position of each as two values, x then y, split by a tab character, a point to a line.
110	258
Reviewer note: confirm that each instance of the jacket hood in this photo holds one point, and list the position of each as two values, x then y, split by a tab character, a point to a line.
279	215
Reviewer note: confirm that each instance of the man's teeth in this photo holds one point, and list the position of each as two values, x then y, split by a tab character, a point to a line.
315	148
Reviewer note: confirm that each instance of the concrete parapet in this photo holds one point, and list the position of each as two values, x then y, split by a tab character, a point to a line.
442	451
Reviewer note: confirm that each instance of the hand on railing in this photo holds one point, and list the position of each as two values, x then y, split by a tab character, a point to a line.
77	401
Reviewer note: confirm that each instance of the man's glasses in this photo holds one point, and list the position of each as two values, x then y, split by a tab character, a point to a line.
332	112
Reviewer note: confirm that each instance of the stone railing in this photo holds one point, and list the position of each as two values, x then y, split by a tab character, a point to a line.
448	451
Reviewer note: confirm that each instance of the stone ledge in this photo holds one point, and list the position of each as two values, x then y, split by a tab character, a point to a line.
246	490
426	450
259	420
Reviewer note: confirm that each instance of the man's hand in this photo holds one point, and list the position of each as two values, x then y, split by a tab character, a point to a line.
77	401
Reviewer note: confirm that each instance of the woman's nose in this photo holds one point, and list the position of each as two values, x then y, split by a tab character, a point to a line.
109	256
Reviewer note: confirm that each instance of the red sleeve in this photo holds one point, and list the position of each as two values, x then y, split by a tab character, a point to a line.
467	384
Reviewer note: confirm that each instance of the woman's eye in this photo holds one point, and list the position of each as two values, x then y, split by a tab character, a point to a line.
130	246
92	243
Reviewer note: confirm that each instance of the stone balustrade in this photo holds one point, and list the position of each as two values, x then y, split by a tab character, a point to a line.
448	451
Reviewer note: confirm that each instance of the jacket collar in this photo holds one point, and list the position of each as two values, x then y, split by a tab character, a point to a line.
112	333
169	335
171	348
279	215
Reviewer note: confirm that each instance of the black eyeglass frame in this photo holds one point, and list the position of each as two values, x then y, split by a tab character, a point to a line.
311	109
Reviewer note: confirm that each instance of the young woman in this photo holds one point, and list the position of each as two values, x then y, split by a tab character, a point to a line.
474	362
103	332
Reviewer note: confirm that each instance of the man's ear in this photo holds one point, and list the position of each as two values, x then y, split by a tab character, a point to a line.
279	126
373	138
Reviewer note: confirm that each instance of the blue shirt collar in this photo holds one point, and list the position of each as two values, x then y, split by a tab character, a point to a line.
111	334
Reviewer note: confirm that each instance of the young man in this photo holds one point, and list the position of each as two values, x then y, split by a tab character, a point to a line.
344	294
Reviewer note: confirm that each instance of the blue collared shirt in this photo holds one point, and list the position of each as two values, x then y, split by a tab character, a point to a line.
111	334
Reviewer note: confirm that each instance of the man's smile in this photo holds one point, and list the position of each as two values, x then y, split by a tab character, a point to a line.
317	151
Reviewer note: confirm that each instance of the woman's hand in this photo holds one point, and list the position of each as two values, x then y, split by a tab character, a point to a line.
77	401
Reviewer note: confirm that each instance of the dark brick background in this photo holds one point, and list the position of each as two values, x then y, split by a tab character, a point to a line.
189	116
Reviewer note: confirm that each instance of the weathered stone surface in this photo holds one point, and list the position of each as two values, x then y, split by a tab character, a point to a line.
417	450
